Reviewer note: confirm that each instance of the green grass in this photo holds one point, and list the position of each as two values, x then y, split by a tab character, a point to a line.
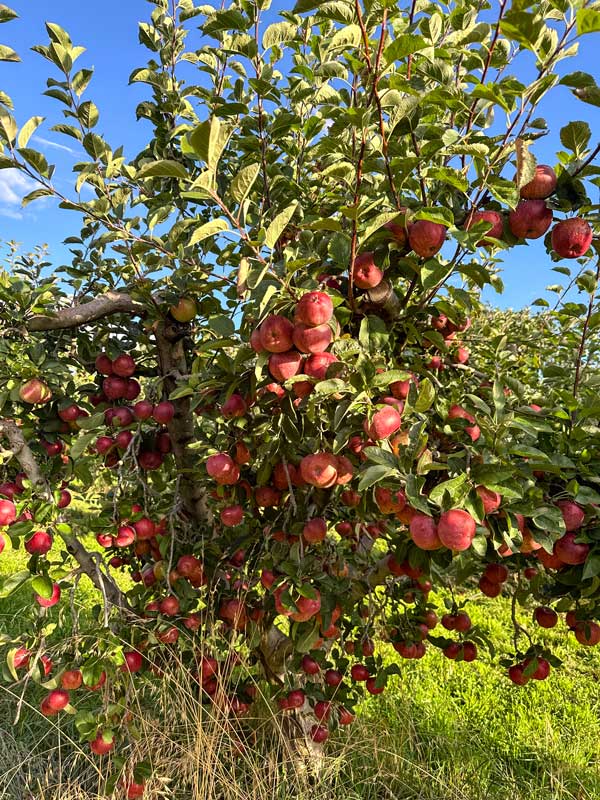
441	731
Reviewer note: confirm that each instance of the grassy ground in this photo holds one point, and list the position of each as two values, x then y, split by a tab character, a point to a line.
441	731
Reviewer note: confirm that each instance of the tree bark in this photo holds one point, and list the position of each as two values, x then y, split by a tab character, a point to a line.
77	315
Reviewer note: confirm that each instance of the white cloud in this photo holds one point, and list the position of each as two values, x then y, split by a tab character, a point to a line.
13	187
58	146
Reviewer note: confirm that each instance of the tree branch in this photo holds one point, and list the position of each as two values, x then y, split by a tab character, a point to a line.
73	317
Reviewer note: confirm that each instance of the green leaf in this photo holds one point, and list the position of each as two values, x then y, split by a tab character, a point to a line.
28	130
6	13
375	474
88	114
345	37
426	396
8	54
279	32
575	137
404	46
14	582
588	21
35	195
279	224
163	169
243	181
81	444
592	566
376	223
43	586
457	488
211	228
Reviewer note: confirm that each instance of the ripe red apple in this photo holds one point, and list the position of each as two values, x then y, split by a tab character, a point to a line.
314	308
310	666
569	551
491	500
398	233
423	532
517	674
530	219
494	218
234	406
285	365
71	679
319	469
571	238
317	364
572	514
426	238
489	588
132	389
319	733
35	392
99	684
185	310
101	746
267	497
223	469
312	339
169	606
344	716
542	184
496	573
188	565
123	366
57	699
587	633
276	334
366	273
143	410
149	460
164	412
232	516
333	677
120	417
456	529
383	423
295	699
133	789
8	512
69	413
314	530
64	499
103	364
545	617
359	672
307	608
133	661
114	387
39	543
345	470
125	536
48	602
322	710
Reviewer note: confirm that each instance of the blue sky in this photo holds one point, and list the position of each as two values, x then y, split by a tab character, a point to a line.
109	32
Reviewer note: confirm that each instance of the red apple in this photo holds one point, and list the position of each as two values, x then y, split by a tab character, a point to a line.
314	308
456	529
285	365
426	238
312	339
542	184
35	392
571	238
276	334
223	469
123	366
366	273
319	469
494	218
530	219
39	543
423	532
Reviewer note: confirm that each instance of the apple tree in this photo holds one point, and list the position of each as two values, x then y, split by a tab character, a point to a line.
263	409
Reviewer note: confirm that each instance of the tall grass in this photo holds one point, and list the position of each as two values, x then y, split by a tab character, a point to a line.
441	731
